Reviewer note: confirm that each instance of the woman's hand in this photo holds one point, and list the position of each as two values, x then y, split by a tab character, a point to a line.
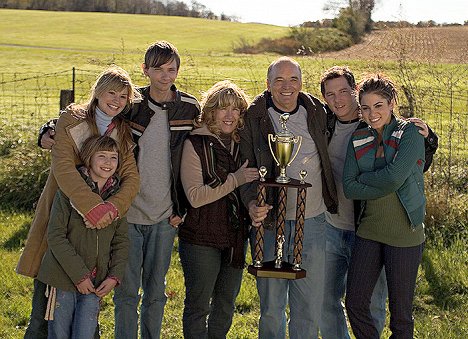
249	174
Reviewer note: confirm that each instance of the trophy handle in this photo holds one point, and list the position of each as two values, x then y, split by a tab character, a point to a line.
298	140
272	137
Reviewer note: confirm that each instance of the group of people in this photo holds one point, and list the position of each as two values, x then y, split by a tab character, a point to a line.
133	167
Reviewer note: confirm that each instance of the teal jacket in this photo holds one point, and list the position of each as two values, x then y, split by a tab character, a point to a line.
74	251
403	174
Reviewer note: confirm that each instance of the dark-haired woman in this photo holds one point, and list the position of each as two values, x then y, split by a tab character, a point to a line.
384	169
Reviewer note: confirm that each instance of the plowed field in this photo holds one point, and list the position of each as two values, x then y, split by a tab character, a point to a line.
434	44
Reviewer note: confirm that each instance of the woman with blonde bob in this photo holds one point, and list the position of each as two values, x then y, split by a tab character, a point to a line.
112	93
384	170
212	240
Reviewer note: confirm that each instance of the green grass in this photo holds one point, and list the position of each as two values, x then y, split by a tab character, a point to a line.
440	303
62	34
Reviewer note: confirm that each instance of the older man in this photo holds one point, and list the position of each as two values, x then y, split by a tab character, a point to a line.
307	119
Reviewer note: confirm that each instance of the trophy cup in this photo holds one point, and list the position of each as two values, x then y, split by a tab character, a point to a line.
285	141
278	268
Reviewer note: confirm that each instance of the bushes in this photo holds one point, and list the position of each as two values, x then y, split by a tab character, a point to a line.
447	208
300	40
23	170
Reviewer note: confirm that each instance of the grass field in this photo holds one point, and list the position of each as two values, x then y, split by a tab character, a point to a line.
34	43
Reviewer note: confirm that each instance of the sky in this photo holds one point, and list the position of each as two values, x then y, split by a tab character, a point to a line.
294	12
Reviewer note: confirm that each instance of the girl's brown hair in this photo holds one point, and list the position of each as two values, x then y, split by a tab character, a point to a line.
98	143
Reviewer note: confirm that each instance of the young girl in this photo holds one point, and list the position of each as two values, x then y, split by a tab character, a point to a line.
83	264
384	169
112	94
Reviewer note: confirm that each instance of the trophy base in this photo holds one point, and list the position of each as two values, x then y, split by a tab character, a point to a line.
282	180
268	270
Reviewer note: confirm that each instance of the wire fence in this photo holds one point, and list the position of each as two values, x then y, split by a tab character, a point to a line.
27	100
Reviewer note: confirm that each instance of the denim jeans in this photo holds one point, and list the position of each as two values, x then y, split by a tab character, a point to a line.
148	262
208	276
339	246
75	315
305	295
401	269
37	326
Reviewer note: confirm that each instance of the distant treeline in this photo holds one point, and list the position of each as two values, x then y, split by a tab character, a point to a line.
165	7
328	23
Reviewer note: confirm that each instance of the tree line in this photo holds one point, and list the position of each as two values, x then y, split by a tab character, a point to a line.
165	7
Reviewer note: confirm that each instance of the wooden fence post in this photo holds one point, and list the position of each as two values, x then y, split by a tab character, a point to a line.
67	96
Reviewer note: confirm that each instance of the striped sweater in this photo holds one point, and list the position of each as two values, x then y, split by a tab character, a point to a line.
403	174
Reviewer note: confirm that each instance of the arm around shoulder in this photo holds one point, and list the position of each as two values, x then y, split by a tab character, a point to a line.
65	158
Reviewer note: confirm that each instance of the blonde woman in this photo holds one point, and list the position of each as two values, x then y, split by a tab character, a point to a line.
213	237
112	93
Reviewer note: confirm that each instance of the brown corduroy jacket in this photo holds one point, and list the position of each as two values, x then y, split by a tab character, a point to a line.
70	135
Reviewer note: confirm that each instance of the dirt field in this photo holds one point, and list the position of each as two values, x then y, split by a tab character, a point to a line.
435	44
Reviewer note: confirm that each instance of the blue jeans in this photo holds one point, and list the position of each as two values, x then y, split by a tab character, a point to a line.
148	262
37	326
75	315
208	277
305	296
339	246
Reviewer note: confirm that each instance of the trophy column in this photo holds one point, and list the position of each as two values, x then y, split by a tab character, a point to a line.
278	268
299	236
259	235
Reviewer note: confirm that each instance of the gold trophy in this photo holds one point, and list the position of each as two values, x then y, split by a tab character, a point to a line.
285	142
278	268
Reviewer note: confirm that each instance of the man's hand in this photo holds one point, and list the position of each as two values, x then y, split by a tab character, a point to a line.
423	129
258	213
175	220
85	287
47	140
105	287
